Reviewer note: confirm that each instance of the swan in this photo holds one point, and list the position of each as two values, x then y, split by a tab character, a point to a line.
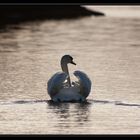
61	89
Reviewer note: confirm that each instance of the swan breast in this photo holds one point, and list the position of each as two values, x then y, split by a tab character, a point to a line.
69	94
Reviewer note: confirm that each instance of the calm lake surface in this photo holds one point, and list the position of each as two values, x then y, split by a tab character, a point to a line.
106	48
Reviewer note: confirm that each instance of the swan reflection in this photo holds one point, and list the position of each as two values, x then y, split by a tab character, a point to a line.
68	114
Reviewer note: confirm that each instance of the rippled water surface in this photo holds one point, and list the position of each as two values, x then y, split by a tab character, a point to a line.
106	48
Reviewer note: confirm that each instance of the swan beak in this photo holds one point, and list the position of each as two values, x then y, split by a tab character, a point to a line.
73	63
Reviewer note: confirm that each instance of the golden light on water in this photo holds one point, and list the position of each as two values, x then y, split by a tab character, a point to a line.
118	11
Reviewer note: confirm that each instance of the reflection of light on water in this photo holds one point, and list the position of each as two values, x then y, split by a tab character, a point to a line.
118	11
47	117
107	49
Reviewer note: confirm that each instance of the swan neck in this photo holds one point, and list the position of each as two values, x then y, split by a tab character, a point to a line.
64	67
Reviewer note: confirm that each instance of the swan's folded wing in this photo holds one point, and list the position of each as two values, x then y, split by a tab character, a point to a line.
55	83
84	83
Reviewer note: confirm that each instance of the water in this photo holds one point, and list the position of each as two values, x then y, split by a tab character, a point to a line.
106	48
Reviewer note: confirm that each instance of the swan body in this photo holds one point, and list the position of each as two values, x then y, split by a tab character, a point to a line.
60	87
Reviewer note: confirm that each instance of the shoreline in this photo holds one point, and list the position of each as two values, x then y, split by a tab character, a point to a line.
22	13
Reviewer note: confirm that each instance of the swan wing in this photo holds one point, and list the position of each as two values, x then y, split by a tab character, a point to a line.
55	83
84	83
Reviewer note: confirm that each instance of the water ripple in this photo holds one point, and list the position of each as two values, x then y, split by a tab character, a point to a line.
88	102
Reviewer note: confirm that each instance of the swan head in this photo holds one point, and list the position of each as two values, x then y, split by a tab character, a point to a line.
67	59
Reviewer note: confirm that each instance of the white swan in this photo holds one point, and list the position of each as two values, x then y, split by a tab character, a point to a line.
60	87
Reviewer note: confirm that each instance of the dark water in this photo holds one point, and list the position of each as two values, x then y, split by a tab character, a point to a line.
106	48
